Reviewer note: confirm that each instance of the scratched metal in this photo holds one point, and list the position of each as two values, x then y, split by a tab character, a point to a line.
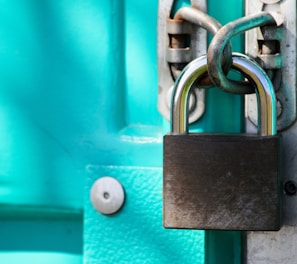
225	182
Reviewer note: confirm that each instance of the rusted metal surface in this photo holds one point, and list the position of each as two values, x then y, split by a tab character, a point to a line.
219	43
279	59
225	182
167	72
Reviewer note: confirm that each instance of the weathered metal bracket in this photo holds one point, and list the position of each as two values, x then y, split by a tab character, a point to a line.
198	47
277	247
275	49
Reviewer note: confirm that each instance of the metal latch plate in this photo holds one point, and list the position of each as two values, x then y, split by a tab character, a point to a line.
275	49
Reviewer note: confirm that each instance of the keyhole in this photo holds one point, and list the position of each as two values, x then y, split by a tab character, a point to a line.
106	195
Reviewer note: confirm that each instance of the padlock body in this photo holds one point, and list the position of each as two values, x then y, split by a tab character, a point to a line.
223	182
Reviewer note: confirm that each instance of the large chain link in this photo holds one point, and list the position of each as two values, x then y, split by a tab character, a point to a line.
220	52
197	17
219	42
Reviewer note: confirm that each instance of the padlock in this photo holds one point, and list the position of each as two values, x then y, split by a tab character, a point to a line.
222	181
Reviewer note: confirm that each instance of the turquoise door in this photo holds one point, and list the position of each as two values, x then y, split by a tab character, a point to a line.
79	89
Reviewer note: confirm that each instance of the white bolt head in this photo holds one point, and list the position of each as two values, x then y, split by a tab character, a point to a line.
107	195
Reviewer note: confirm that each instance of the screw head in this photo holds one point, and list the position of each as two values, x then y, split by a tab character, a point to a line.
107	195
290	188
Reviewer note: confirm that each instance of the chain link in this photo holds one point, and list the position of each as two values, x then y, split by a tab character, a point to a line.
220	52
178	53
218	44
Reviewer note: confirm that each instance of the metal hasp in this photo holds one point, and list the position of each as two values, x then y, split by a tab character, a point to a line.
222	181
277	247
189	42
274	48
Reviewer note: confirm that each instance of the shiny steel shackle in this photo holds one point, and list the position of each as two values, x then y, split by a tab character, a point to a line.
198	69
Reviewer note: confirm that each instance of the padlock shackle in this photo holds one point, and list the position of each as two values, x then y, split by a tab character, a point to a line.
198	69
265	94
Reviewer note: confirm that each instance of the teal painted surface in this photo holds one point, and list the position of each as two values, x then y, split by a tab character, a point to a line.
133	153
224	247
135	234
40	241
78	93
48	77
39	257
48	110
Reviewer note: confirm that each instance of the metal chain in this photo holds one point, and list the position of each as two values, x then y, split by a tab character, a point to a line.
220	51
219	43
269	56
199	18
203	20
